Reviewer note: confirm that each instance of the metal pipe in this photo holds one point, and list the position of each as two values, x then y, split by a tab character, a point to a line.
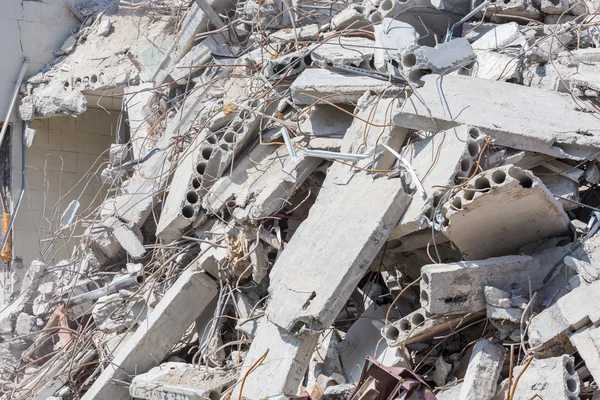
106	290
14	99
332	155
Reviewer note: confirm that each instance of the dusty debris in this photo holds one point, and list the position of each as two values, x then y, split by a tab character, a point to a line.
308	200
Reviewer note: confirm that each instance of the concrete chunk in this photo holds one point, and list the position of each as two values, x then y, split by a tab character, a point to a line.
444	102
501	210
156	335
175	380
335	87
587	343
284	366
550	378
459	287
549	330
392	34
486	362
418	61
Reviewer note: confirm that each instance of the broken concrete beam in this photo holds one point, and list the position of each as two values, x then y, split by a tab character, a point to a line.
137	102
549	330
444	102
419	326
200	54
259	186
418	61
335	87
392	34
196	173
181	380
484	368
560	380
350	17
286	357
157	335
316	309
503	197
196	21
459	287
460	147
587	343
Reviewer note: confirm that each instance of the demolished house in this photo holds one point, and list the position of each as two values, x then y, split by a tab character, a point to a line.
320	200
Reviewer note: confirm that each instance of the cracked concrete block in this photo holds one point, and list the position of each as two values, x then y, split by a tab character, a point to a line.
381	205
284	366
495	66
326	120
587	343
118	154
510	8
560	380
354	51
25	324
549	330
173	380
418	61
500	37
482	374
334	87
129	238
503	197
290	64
350	17
560	186
392	34
157	334
535	130
459	287
419	326
460	147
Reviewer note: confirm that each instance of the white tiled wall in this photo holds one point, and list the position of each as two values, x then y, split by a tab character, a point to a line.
60	166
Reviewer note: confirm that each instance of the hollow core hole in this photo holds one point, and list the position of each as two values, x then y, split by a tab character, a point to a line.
192	197
229	136
387	5
418	319
524	179
474	133
468	194
482	184
457	203
425	279
465	164
409	60
473	149
405	325
207	152
424	296
572	385
196	183
224	147
212	139
570	368
392	333
201	168
499	176
187	211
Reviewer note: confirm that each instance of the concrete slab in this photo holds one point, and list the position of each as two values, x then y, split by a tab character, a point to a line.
444	102
329	277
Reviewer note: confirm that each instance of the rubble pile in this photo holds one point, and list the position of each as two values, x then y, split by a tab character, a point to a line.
325	200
